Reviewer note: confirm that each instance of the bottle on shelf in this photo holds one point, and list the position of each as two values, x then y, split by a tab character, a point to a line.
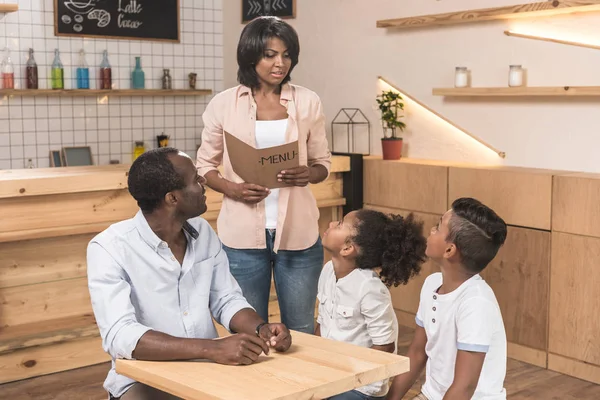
83	72
31	72
139	149
137	76
30	164
57	74
8	71
105	72
166	80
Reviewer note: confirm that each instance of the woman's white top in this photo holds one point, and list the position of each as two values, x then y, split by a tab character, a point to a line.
271	134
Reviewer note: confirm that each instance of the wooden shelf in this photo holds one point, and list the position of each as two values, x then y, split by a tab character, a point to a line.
100	93
8	8
441	117
540	9
538	91
552	40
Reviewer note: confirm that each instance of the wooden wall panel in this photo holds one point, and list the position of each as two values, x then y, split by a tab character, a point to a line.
44	360
43	260
64	210
574	368
576	204
520	196
406	185
575	297
406	297
44	301
519	276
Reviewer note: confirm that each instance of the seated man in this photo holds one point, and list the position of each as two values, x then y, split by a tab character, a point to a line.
157	280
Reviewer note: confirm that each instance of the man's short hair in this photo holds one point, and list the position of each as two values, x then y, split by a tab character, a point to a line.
477	231
151	176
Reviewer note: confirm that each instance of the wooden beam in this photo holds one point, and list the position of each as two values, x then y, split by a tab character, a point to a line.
531	10
8	8
553	40
521	91
489	146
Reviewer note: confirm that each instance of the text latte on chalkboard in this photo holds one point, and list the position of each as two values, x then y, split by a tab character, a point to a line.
256	8
121	19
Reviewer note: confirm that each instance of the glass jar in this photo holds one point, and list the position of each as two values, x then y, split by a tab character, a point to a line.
139	149
515	76
461	77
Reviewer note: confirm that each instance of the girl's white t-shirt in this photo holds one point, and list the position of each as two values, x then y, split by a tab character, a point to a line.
357	309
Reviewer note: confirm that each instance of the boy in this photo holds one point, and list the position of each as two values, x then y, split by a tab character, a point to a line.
460	334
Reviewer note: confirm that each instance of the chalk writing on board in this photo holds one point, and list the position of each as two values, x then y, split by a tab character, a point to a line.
119	19
102	16
255	8
81	7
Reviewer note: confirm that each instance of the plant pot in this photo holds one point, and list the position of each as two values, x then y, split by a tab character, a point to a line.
392	148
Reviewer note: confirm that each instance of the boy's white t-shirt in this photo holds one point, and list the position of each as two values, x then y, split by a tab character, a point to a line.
271	134
357	309
468	318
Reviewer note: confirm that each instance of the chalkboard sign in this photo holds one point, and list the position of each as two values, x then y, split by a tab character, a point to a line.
156	20
279	8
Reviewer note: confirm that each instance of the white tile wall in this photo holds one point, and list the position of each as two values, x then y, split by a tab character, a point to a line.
31	127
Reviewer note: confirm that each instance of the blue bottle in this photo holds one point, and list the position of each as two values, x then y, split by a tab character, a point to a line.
137	76
83	72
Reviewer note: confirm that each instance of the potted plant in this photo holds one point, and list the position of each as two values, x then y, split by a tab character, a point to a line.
390	104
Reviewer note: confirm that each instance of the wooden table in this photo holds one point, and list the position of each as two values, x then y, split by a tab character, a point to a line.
313	368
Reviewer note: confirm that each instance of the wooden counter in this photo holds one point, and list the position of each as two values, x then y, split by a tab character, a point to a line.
48	216
545	276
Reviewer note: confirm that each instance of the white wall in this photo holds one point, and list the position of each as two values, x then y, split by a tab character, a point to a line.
342	53
31	127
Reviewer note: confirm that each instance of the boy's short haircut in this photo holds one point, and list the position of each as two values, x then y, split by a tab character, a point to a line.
477	231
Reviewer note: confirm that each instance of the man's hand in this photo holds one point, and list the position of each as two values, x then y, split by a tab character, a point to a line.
299	176
277	336
247	192
239	349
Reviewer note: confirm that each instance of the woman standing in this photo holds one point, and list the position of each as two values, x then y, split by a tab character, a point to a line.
269	232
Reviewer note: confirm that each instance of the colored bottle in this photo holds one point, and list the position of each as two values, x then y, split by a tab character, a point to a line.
105	72
31	72
138	150
57	75
8	71
83	72
137	76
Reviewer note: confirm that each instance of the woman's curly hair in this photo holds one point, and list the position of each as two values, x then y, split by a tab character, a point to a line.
392	242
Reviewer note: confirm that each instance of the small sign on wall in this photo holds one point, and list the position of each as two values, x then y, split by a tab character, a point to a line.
156	20
279	8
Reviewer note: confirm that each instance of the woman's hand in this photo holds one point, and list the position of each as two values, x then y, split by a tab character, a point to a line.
299	176
248	193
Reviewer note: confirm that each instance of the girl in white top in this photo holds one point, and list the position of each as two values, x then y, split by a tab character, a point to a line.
370	252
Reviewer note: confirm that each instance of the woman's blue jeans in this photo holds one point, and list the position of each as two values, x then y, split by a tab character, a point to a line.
295	272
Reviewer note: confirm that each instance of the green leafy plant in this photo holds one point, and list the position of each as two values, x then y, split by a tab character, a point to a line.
390	104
